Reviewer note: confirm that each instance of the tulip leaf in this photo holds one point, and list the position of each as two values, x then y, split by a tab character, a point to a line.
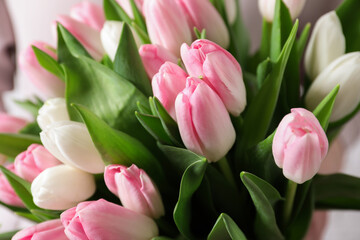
31	129
138	17
49	63
265	225
190	182
113	11
263	69
301	42
128	64
106	61
264	50
14	208
29	216
226	229
32	106
13	144
7	235
143	109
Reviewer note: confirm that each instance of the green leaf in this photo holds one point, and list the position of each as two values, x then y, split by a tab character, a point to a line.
114	12
31	106
106	61
225	228
31	129
138	17
264	50
301	42
14	208
262	71
49	63
7	235
29	216
13	144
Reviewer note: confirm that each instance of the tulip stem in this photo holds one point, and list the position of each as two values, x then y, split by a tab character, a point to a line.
226	170
289	201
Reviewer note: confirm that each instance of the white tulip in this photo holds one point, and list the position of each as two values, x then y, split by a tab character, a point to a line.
267	8
70	142
326	44
53	110
62	187
344	71
231	10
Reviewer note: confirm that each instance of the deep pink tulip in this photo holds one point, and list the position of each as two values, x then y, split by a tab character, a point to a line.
204	124
103	220
11	124
135	189
153	56
218	68
167	84
49	84
7	193
33	161
300	145
89	13
166	24
52	229
125	4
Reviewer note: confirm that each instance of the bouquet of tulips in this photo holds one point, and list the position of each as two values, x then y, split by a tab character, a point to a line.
159	124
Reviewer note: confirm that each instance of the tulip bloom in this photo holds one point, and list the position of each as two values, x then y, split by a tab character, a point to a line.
33	161
219	69
48	84
71	143
267	8
89	13
300	145
344	71
153	56
204	124
62	187
7	193
231	12
327	43
135	189
52	229
167	84
166	24
125	4
11	124
103	220
53	110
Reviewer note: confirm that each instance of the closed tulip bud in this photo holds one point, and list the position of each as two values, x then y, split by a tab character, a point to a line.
231	10
89	13
203	15
52	229
167	84
125	4
48	84
219	69
135	189
327	43
53	110
204	124
70	142
11	124
153	56
166	24
7	193
267	8
62	187
33	161
299	145
107	220
344	71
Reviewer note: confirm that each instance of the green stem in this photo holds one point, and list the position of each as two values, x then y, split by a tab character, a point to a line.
226	170
289	201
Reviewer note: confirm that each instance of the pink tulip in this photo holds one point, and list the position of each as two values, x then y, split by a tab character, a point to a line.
204	124
166	24
167	84
49	84
52	229
125	4
300	145
33	161
103	220
11	124
203	15
153	56
89	13
135	189
218	68
7	193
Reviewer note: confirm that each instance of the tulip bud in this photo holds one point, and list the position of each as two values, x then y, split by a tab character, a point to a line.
167	84
125	4
53	110
166	24
299	145
327	42
11	124
110	37
52	229
7	193
71	143
219	69
344	71
33	161
203	15
107	221
267	8
153	56
135	189
231	10
89	13
62	187
204	124
48	84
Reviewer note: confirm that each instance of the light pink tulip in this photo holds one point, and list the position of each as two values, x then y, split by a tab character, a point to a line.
166	24
49	84
203	15
135	189
7	193
11	124
125	4
153	56
30	163
103	220
89	13
300	145
204	124
52	229
167	84
218	68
